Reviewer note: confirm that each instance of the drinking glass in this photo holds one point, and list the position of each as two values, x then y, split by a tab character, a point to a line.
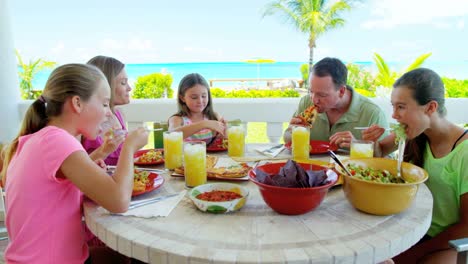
361	149
111	128
300	142
158	134
194	163
236	140
173	149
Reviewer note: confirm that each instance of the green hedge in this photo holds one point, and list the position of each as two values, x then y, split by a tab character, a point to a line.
153	86
220	93
455	88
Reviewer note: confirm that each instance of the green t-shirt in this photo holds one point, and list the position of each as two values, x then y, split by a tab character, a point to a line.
448	180
361	113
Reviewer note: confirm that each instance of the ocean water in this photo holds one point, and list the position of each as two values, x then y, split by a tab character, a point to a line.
237	70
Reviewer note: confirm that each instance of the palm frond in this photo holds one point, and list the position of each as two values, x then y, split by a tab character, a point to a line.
418	62
381	65
313	17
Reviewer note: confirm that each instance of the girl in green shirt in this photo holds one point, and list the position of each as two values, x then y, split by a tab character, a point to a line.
441	148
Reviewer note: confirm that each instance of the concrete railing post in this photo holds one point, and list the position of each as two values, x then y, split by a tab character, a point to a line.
9	91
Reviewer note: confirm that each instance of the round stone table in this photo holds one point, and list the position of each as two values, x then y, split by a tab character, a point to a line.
335	232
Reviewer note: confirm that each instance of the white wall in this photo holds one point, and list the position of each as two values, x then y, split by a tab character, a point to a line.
9	93
274	111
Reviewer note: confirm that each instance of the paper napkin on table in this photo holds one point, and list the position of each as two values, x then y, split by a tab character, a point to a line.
157	209
160	208
274	151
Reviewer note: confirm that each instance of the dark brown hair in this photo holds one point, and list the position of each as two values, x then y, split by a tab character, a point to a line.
334	68
425	85
189	81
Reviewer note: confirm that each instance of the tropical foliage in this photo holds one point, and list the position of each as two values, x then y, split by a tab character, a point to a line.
455	88
312	17
27	72
359	78
220	93
386	77
305	75
154	85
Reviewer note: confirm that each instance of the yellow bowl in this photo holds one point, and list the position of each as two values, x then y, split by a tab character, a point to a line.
382	198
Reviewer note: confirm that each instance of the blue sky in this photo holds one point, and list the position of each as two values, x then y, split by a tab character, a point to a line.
157	31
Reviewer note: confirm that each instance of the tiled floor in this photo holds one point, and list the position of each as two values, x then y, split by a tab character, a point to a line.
3	245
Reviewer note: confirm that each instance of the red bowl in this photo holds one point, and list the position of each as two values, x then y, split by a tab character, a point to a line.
291	201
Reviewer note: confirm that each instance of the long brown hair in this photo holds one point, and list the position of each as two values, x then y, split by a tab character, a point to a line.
64	82
111	67
426	85
189	81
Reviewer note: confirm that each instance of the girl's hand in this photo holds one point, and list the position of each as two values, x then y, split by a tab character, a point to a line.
217	126
373	133
137	139
112	141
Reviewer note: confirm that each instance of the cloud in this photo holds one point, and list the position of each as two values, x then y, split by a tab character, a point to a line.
393	13
59	48
133	49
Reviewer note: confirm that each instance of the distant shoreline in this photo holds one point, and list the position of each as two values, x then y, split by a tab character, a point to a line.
238	70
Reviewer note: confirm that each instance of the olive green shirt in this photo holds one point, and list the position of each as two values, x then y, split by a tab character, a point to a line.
361	113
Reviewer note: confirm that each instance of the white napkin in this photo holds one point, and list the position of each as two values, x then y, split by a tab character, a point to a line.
272	154
157	209
160	208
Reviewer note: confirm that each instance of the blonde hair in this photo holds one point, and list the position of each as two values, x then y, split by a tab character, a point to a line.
64	82
111	67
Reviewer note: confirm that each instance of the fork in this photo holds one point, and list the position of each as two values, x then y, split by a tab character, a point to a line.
273	149
136	204
401	150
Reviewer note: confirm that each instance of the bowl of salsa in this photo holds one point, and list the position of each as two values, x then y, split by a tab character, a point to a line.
219	198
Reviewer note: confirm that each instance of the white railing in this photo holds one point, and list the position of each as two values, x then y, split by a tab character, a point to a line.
273	111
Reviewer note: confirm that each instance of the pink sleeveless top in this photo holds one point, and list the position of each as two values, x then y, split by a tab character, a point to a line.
91	145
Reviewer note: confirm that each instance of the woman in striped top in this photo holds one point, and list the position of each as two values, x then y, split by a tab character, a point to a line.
195	117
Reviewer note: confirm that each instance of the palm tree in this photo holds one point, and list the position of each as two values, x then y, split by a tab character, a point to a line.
313	17
27	73
386	77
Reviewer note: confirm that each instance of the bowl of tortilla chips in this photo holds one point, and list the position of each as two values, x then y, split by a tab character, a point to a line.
292	188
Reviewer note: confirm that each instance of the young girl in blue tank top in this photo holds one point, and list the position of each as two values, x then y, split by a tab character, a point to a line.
196	117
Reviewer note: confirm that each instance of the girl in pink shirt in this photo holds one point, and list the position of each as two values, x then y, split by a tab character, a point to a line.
46	170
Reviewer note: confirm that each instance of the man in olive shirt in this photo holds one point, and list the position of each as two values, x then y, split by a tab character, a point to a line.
340	109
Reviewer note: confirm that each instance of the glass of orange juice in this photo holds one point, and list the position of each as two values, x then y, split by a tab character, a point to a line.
236	140
300	142
172	149
361	149
195	163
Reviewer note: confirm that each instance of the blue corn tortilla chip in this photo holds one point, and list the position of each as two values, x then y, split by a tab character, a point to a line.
263	177
284	181
293	175
316	178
